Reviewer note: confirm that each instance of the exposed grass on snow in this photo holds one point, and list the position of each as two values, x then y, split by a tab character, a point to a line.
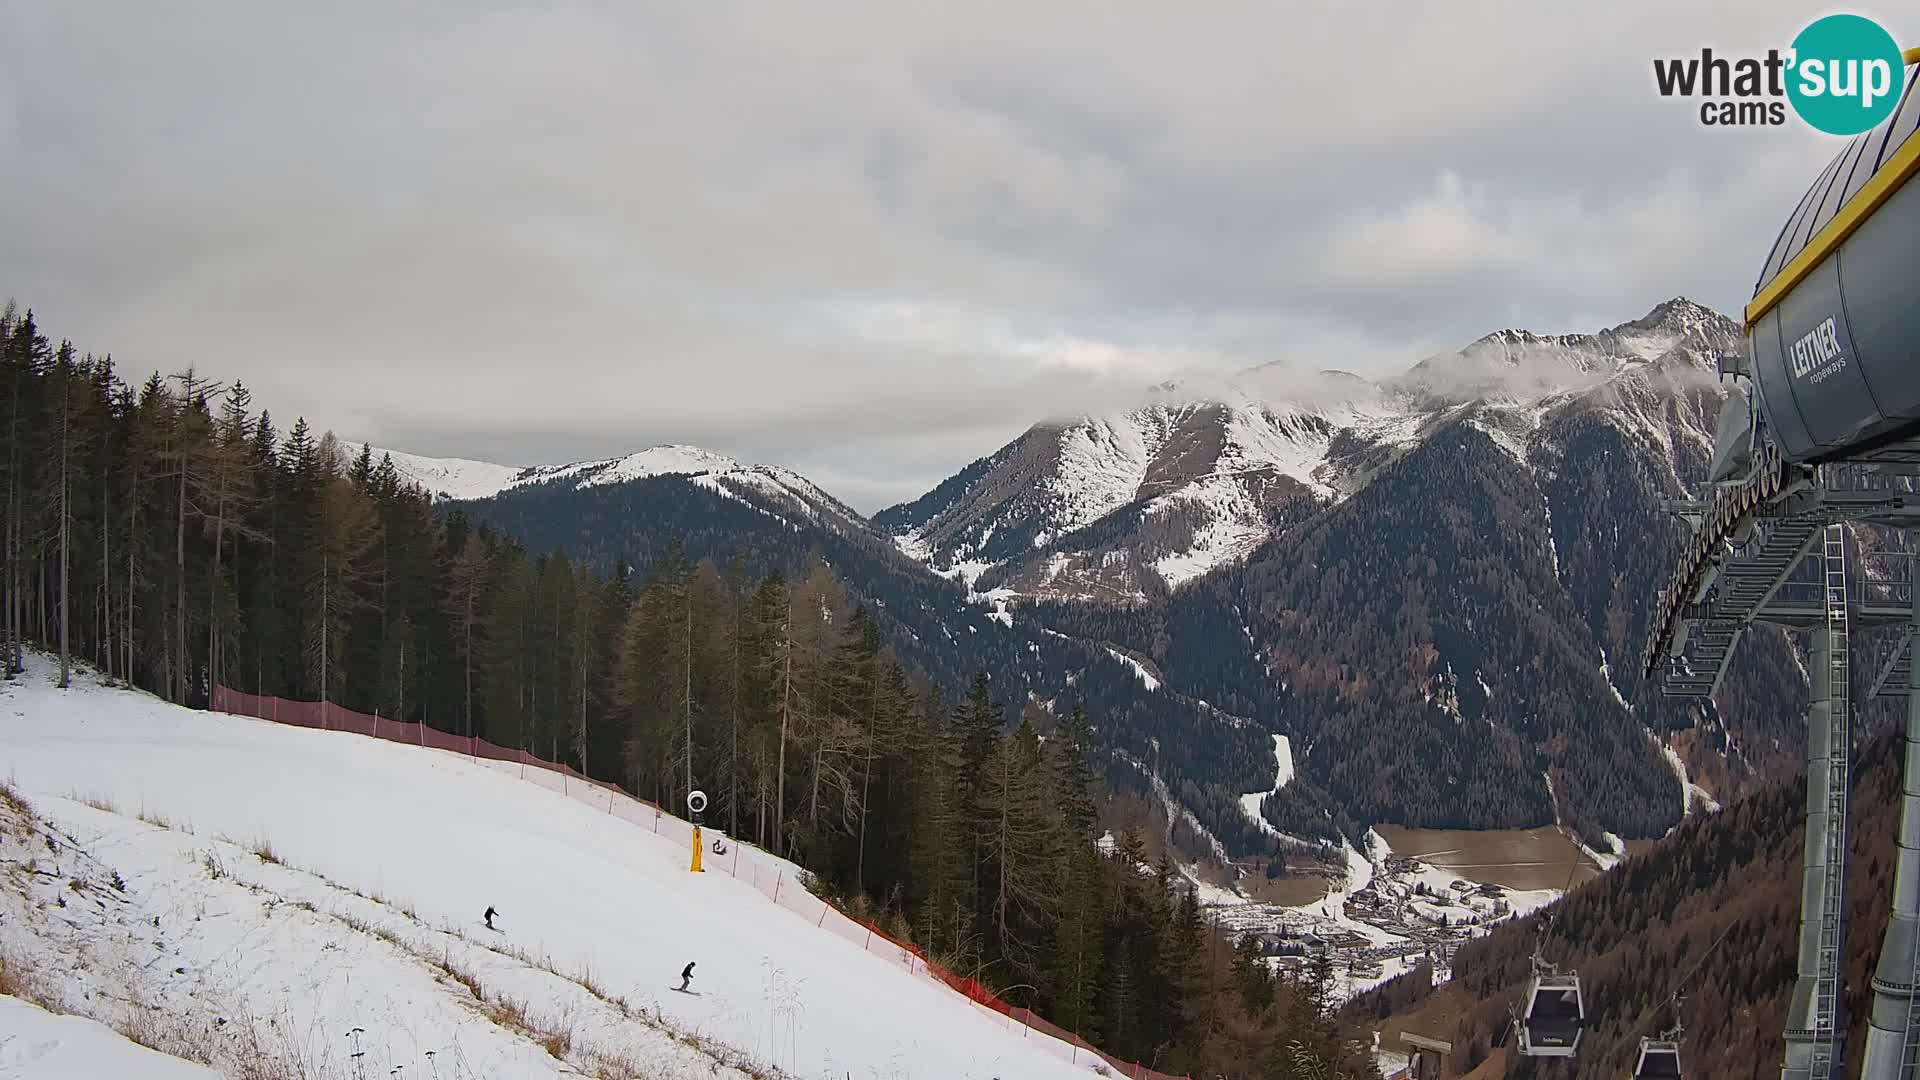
16	980
98	802
11	799
238	1051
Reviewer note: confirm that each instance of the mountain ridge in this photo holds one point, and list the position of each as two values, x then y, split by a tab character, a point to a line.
1197	540
1196	480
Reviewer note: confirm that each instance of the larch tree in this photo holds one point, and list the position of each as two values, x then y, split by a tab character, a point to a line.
467	582
344	544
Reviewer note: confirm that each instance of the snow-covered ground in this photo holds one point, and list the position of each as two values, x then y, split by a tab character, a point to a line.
1283	772
1605	860
1146	677
369	919
1692	795
35	1042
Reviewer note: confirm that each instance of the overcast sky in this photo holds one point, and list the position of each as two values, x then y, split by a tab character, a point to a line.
872	241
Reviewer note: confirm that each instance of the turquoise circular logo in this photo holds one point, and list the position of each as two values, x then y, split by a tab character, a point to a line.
1845	74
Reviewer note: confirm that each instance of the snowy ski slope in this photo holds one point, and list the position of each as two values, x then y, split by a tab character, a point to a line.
34	1042
442	837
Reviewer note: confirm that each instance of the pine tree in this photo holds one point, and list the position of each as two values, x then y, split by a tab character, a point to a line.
70	389
345	540
467	587
230	490
1076	967
1020	847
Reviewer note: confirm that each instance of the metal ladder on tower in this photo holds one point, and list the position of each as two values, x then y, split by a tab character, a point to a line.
1827	989
1910	1039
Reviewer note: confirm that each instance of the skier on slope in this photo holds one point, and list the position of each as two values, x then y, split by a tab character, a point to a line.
686	977
489	917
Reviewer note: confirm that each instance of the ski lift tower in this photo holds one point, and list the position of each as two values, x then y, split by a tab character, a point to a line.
1821	437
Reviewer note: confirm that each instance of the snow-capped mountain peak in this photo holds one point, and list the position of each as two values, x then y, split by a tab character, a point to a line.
463	479
1119	506
667	460
770	488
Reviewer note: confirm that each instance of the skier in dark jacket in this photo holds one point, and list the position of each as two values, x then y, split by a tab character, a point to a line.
489	917
686	976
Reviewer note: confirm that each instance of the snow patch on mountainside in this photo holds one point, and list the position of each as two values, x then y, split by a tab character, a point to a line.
1283	772
1140	669
1606	672
1232	530
1101	465
1692	794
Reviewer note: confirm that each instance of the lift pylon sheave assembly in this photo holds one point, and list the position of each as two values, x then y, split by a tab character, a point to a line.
1824	433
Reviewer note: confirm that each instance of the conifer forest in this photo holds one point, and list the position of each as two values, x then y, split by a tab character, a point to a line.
164	532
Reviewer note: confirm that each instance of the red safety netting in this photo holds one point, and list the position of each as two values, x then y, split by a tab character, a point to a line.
772	877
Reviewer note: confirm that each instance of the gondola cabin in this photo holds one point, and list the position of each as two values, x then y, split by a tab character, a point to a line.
1554	1017
1659	1060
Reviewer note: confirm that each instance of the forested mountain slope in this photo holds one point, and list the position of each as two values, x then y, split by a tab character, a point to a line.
1427	577
1710	914
1203	758
1453	644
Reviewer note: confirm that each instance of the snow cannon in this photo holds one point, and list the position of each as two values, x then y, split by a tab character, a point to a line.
696	805
1833	331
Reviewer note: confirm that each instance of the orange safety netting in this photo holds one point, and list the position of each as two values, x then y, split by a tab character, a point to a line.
765	873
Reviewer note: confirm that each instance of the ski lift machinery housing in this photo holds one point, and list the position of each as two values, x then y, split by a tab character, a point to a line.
1832	350
1833	331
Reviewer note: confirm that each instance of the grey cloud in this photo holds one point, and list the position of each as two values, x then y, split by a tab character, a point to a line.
555	232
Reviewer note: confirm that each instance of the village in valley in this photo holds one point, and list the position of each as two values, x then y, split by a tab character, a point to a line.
1379	919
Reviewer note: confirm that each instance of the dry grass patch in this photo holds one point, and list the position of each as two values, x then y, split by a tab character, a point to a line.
507	1013
17	981
557	1043
161	821
263	850
11	798
98	802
